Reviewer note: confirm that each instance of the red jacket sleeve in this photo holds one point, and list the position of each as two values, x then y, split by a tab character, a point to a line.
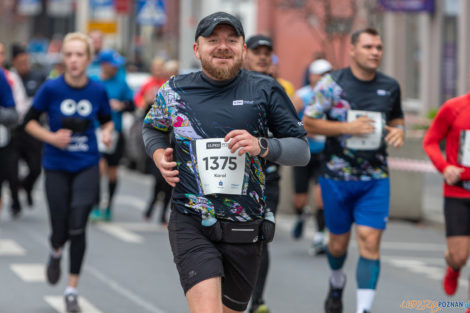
436	132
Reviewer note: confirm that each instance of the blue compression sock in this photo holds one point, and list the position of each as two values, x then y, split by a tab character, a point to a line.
367	273
335	263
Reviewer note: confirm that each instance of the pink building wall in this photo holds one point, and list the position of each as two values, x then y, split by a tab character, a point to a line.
295	42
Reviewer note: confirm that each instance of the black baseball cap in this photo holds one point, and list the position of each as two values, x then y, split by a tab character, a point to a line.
206	25
259	40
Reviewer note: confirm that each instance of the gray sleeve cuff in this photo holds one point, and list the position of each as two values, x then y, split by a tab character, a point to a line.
281	151
154	139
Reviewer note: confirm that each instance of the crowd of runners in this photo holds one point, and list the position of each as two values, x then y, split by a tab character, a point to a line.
216	139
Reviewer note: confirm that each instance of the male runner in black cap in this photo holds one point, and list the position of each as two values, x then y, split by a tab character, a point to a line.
218	120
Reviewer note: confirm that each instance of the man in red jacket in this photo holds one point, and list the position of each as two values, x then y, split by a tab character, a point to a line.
452	123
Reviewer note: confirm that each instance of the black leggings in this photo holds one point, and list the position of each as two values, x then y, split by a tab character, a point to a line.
70	197
159	185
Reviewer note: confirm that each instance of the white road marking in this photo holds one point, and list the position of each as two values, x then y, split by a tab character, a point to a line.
412	246
9	247
285	223
131	201
420	266
57	302
120	232
31	273
149	307
143	227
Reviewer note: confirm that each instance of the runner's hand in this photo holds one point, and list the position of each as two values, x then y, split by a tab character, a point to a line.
363	125
163	159
240	138
395	136
116	105
61	138
106	137
452	174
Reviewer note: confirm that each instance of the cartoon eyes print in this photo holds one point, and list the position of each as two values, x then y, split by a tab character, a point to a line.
84	107
69	107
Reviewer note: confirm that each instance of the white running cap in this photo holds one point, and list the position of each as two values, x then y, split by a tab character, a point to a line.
320	67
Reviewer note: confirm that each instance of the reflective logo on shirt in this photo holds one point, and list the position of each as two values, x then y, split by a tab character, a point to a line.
381	92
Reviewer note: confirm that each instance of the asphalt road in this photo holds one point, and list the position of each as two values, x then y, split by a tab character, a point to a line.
129	267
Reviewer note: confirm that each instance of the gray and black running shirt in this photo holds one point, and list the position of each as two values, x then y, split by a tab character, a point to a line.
193	107
337	93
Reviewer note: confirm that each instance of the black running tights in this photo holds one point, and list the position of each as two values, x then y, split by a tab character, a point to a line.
70	197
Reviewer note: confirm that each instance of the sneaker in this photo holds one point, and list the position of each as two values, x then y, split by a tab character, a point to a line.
71	303
298	228
259	307
108	215
318	248
450	281
53	269
96	215
334	302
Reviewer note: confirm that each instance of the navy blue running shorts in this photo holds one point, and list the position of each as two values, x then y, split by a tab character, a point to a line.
197	259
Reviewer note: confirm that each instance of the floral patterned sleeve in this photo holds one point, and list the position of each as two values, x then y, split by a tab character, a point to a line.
322	99
158	115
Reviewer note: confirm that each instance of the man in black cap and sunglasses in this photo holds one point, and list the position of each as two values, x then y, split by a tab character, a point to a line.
207	133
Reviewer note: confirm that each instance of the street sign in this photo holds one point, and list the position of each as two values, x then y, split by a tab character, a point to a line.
408	5
59	8
122	6
29	7
107	27
151	12
102	10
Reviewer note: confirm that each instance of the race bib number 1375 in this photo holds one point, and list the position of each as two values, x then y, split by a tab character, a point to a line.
220	170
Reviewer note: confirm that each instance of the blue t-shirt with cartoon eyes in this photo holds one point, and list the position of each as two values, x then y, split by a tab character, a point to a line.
76	109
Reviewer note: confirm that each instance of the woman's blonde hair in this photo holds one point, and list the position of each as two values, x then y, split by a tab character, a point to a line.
81	37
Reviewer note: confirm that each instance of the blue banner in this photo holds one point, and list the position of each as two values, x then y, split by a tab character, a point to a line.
408	5
151	12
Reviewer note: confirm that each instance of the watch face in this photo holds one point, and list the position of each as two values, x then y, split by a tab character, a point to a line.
263	143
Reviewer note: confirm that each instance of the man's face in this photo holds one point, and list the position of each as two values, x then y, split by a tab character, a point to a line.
21	64
221	54
258	59
76	58
96	40
108	70
314	78
157	69
367	52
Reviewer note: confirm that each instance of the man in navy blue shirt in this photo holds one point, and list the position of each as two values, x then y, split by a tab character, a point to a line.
218	121
363	114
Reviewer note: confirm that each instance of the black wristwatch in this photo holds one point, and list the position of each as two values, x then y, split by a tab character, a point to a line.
263	145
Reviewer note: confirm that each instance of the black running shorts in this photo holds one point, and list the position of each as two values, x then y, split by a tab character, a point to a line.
303	174
113	158
457	216
197	259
